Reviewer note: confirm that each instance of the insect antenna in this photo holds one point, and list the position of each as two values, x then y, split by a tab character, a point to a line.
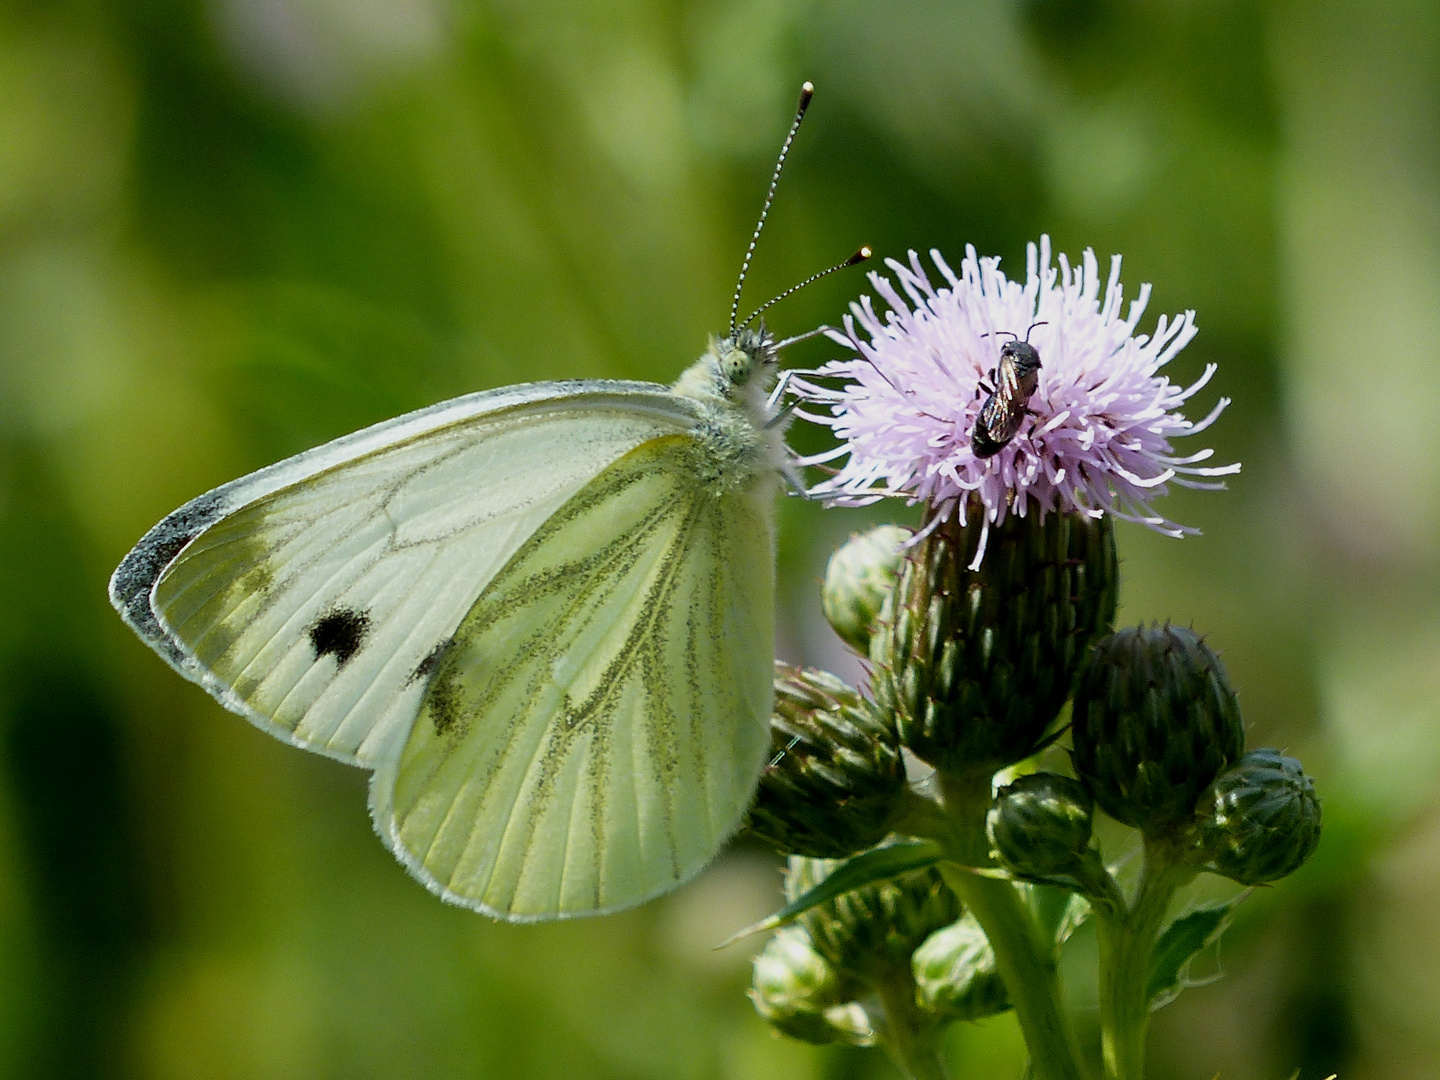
807	91
859	257
1042	322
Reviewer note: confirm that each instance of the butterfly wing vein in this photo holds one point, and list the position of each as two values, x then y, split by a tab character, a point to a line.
593	731
310	607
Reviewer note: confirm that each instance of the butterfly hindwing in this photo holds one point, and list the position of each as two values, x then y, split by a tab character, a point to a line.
592	733
308	596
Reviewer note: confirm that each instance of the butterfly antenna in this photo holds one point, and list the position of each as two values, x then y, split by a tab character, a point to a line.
859	257
807	91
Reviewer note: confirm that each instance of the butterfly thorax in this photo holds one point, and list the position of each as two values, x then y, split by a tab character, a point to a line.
731	383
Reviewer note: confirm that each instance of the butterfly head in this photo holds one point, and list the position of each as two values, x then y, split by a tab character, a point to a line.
744	353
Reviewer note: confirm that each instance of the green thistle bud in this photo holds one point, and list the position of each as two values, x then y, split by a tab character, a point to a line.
1260	820
801	995
976	664
871	932
1039	826
955	976
859	578
1155	721
837	779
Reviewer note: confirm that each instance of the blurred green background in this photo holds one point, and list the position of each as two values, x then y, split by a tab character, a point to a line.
230	229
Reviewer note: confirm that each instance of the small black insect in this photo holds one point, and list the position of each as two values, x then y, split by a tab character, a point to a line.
1016	377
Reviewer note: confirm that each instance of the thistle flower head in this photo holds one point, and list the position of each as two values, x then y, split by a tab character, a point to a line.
1098	434
1040	825
836	782
802	996
1155	721
1260	820
955	973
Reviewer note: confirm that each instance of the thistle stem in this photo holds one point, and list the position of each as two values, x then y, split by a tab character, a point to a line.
911	1042
1025	962
1127	940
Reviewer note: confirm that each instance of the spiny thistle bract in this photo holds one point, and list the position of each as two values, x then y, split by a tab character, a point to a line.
1260	820
837	779
1155	721
975	664
871	932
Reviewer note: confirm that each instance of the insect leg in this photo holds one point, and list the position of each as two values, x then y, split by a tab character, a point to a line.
781	416
780	385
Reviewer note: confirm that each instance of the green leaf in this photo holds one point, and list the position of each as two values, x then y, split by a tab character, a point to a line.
877	864
1178	946
1059	912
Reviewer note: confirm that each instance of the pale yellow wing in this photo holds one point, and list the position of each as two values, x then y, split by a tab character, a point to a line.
308	596
594	731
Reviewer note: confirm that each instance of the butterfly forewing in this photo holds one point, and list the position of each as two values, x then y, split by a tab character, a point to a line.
310	597
591	734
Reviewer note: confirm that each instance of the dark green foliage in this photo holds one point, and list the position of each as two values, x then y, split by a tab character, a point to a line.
1183	940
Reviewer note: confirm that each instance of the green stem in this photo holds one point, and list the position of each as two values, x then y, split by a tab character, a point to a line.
1127	940
1025	962
910	1039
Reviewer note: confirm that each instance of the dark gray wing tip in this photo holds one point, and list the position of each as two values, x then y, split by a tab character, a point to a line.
137	573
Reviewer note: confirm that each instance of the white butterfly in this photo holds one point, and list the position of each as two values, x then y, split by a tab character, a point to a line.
541	615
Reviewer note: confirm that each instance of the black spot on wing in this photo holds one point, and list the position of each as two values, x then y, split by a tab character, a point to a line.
339	634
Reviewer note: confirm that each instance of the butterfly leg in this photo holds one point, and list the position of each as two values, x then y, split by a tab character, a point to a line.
780	385
782	416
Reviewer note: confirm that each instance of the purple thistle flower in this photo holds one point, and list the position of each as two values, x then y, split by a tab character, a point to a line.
1098	439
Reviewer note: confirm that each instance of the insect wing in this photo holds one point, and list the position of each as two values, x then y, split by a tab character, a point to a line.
594	732
1005	411
307	596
